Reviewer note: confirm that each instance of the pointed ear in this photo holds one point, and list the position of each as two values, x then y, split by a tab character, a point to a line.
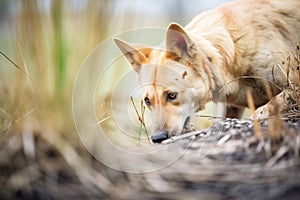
178	41
134	55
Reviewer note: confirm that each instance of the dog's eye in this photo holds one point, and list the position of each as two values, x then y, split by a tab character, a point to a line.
171	96
147	101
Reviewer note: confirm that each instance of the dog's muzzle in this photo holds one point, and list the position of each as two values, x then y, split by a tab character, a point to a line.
162	135
159	137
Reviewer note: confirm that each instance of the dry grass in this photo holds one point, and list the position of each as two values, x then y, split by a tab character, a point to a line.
285	107
35	93
252	110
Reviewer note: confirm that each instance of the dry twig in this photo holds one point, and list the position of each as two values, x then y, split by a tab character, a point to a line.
252	110
140	117
17	66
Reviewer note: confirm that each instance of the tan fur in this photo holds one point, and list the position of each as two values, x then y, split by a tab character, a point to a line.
222	52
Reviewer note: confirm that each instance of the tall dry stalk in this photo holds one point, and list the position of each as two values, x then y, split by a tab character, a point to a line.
251	105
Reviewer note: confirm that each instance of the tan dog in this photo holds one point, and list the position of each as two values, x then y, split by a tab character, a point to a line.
236	47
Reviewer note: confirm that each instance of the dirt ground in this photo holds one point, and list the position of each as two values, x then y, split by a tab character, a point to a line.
239	166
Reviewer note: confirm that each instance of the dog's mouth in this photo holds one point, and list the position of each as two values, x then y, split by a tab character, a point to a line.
186	126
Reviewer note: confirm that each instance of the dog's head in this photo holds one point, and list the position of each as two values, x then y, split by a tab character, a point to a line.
173	86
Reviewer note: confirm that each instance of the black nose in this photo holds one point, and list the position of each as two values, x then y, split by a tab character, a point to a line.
159	137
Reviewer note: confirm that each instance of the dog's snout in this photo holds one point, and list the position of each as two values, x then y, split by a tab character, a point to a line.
159	137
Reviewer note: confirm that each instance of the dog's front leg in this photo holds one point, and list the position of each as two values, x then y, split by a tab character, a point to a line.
234	112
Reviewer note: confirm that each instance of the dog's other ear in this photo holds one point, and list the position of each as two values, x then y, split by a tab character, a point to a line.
178	41
134	55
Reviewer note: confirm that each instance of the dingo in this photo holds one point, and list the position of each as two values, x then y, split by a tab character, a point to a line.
240	46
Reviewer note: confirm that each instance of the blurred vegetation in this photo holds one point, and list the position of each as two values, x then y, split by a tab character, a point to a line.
48	43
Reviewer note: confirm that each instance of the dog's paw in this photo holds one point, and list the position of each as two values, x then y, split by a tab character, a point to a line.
272	108
281	104
261	112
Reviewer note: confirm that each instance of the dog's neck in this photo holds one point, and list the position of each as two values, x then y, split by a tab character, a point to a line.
219	50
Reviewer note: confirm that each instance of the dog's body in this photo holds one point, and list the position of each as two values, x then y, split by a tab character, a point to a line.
224	52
